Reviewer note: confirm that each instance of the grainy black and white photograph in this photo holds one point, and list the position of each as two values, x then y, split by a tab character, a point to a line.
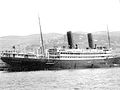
59	44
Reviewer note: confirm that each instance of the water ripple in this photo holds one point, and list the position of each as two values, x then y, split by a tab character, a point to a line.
82	79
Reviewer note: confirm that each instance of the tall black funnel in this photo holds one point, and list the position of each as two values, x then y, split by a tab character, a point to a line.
90	41
70	39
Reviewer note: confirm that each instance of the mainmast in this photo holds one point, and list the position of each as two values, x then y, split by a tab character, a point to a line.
108	37
41	36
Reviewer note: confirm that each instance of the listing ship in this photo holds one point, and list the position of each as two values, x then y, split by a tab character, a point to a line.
70	57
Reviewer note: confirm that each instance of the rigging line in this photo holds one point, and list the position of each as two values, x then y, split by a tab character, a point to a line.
108	37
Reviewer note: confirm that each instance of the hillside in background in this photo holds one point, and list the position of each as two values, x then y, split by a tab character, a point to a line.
32	42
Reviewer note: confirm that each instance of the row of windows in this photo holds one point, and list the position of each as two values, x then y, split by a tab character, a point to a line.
54	57
5	54
81	53
80	57
75	57
54	53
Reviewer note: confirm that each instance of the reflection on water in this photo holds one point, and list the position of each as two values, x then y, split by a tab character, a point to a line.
85	79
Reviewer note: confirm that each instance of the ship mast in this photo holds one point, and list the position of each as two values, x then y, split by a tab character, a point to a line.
108	37
41	36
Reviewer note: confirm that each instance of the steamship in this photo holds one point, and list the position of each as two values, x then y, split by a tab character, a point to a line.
73	57
61	58
70	57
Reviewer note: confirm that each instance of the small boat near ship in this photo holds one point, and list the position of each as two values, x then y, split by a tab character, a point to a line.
70	57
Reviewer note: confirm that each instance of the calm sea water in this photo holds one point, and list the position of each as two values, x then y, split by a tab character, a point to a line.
82	79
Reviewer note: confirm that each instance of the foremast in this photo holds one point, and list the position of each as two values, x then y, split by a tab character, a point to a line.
41	37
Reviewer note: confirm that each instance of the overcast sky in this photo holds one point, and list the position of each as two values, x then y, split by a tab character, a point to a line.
20	17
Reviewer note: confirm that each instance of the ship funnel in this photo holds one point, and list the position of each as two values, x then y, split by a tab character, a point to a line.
70	39
90	40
